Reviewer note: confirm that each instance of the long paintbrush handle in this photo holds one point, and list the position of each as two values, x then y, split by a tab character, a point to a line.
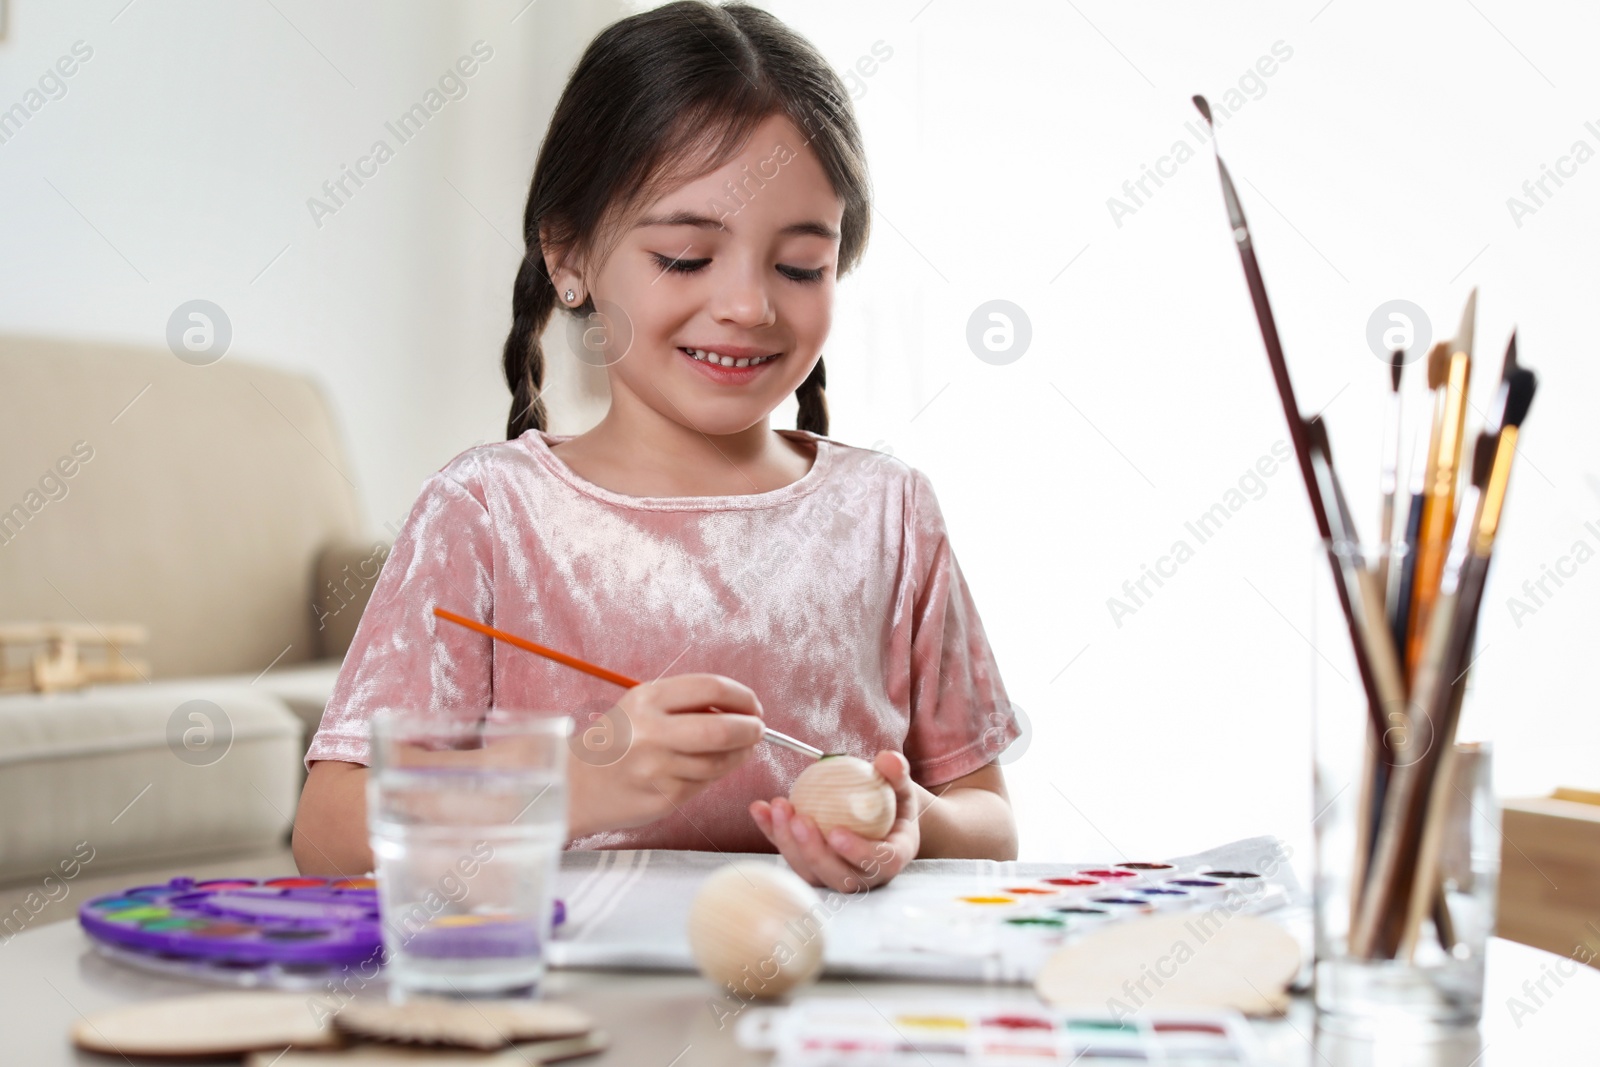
1405	580
767	734
539	650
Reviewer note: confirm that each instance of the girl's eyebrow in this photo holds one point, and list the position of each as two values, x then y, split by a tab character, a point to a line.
810	228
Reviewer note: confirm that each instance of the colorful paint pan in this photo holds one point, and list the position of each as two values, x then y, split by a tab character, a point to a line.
932	1022
1106	873
1020	1022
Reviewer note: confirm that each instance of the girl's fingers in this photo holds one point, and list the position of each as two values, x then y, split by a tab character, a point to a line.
855	849
896	770
831	868
782	836
761	812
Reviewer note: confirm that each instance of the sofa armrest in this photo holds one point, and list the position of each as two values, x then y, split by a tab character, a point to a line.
346	573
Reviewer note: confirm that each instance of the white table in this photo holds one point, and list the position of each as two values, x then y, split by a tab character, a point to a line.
50	975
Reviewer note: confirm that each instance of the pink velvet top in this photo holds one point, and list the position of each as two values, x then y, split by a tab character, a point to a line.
836	598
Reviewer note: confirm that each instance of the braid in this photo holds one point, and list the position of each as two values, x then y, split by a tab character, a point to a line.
813	400
533	298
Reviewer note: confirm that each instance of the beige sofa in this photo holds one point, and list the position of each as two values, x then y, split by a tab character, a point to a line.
213	505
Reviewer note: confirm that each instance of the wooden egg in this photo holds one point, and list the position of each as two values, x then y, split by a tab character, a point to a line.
756	929
847	792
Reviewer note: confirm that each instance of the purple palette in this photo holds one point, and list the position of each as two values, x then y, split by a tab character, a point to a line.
242	921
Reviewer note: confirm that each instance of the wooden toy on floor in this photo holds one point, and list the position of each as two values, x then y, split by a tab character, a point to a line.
751	928
842	791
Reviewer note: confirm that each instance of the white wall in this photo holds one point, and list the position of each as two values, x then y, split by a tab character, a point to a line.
179	162
1375	164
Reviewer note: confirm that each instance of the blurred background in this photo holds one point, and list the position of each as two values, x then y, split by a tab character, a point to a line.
1381	154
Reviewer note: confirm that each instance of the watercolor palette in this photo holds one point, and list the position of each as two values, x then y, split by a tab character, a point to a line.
240	925
1023	920
962	920
842	1032
291	932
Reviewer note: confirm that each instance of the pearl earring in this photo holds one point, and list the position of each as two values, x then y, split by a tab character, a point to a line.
571	296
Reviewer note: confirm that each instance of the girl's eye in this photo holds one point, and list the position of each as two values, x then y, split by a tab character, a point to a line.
678	266
797	274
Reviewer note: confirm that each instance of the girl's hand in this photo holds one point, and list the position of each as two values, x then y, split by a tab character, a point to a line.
668	746
844	860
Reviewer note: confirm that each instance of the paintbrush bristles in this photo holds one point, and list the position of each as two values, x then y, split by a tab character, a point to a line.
1510	363
1520	388
1438	365
1483	458
1397	366
1468	327
1317	436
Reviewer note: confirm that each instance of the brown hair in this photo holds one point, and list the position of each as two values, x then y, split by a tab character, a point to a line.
657	99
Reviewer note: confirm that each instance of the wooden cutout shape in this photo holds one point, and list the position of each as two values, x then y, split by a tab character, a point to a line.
211	1024
1179	962
529	1054
479	1024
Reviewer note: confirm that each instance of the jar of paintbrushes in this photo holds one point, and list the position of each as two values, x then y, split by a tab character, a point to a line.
1405	821
1405	874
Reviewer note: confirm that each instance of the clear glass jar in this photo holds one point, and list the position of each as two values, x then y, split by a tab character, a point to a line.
1428	976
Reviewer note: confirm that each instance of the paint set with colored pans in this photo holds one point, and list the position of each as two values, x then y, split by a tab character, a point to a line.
1040	913
839	1032
240	930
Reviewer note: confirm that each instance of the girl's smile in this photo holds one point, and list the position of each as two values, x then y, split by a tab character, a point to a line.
729	364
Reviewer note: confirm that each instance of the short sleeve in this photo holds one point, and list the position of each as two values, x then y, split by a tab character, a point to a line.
403	656
961	718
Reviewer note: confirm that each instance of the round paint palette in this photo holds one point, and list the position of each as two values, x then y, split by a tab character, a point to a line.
288	933
316	922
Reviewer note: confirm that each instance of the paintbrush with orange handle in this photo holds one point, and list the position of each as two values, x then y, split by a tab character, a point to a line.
768	734
1438	507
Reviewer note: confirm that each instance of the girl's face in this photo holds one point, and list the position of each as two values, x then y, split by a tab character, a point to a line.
741	263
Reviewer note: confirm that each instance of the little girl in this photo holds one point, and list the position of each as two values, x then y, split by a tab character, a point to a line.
700	189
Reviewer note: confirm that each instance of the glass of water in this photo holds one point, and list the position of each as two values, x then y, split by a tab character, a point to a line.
467	819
